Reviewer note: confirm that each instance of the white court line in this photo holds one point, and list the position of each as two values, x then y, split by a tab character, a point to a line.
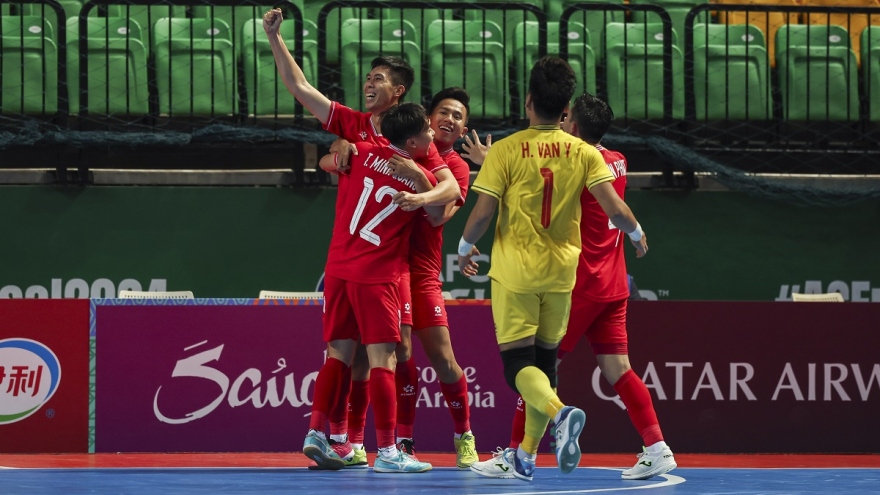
671	480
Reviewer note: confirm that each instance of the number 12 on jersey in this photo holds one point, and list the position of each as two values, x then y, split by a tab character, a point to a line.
366	232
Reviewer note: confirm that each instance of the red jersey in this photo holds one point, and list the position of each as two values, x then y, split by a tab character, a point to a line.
601	271
426	242
370	234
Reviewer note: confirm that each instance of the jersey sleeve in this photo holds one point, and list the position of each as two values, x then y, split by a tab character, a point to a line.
462	173
433	161
597	170
342	121
492	178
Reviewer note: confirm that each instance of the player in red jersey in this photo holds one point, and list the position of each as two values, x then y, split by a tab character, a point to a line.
598	303
388	81
361	302
449	113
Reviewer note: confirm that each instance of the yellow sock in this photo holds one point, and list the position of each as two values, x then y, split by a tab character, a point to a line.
534	386
536	425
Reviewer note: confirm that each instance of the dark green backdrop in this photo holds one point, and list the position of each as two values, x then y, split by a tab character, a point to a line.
236	241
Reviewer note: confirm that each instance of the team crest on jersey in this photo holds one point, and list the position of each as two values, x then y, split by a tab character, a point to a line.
364	135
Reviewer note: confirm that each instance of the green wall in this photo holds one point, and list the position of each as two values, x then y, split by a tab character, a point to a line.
236	241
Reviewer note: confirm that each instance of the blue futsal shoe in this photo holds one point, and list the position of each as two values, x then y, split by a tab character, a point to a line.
569	425
319	450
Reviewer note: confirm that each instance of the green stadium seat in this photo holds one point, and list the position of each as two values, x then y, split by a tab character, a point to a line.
470	54
871	69
145	15
634	71
365	39
595	20
731	75
508	19
677	10
117	66
767	22
235	17
335	19
817	73
29	70
261	79
195	67
580	54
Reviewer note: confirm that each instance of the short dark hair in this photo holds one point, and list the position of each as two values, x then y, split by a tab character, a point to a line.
593	117
551	84
401	72
401	122
452	93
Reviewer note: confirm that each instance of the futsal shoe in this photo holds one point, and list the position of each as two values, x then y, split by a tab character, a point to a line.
465	451
358	460
651	464
509	462
494	467
345	452
569	425
318	450
401	463
408	445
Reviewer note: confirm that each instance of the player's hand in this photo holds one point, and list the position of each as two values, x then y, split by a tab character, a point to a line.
404	167
343	150
467	265
641	245
408	201
474	150
272	21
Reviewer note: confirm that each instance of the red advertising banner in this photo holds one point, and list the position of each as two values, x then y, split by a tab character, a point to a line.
240	377
44	376
741	377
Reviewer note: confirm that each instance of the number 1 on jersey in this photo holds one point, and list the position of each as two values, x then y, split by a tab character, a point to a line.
366	232
547	200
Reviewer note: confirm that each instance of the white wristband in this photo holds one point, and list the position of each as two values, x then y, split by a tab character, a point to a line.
637	234
464	247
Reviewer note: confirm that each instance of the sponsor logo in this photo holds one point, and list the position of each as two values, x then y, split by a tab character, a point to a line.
29	376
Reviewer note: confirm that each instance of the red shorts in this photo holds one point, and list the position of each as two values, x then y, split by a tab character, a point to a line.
603	323
429	308
406	300
365	312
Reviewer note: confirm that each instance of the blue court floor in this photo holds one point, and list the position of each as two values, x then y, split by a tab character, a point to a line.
268	481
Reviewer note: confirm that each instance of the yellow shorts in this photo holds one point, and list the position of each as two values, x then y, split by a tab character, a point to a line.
517	316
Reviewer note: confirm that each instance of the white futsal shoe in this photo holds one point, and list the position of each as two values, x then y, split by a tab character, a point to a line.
651	464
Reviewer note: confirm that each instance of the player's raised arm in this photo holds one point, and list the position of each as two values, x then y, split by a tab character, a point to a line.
290	71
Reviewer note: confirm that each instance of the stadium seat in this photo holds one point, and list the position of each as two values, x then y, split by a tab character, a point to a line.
594	20
138	294
871	70
335	19
195	67
731	77
634	71
768	22
854	24
817	73
365	39
235	17
117	71
145	15
677	10
507	19
580	54
470	54
261	79
29	70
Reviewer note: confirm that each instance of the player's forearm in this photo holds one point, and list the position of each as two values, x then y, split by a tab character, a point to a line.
443	193
295	80
438	215
480	218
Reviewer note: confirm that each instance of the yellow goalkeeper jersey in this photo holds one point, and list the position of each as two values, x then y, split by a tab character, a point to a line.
538	175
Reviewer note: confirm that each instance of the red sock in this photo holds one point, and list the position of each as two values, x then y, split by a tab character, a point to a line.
518	430
358	402
339	413
457	399
407	381
326	391
383	395
637	399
